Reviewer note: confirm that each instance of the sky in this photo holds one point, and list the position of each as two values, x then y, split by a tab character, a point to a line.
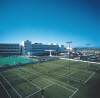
50	21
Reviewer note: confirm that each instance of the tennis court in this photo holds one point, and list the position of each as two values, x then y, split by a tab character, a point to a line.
14	60
52	76
27	83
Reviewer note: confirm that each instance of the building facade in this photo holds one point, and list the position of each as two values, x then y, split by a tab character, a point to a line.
27	48
40	49
10	49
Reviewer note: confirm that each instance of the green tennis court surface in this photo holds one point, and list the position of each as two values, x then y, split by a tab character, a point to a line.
52	76
7	61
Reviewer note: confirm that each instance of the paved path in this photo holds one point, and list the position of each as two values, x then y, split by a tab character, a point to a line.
79	60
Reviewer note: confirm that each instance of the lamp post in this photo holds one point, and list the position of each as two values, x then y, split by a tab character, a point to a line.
69	60
1	61
87	56
54	56
99	54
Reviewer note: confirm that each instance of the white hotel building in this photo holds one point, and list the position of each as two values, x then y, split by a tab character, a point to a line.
27	48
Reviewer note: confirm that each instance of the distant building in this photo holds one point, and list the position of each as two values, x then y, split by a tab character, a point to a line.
27	48
71	48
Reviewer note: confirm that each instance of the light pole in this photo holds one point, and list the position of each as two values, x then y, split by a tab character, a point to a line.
1	61
87	56
99	54
69	60
54	56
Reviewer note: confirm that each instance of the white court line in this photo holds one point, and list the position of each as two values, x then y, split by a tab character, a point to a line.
14	74
78	80
56	83
51	84
29	81
58	68
60	82
89	77
11	86
54	64
78	66
33	94
50	68
61	69
73	93
81	71
73	72
38	75
5	90
86	71
65	84
84	67
70	74
59	85
65	87
98	68
69	78
38	91
27	75
93	68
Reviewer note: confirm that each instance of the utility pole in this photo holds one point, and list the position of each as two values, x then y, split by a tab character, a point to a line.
87	56
54	56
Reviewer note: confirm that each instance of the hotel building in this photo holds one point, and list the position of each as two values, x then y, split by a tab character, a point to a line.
10	49
27	48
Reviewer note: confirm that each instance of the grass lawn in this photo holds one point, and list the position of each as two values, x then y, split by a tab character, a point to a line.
52	76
